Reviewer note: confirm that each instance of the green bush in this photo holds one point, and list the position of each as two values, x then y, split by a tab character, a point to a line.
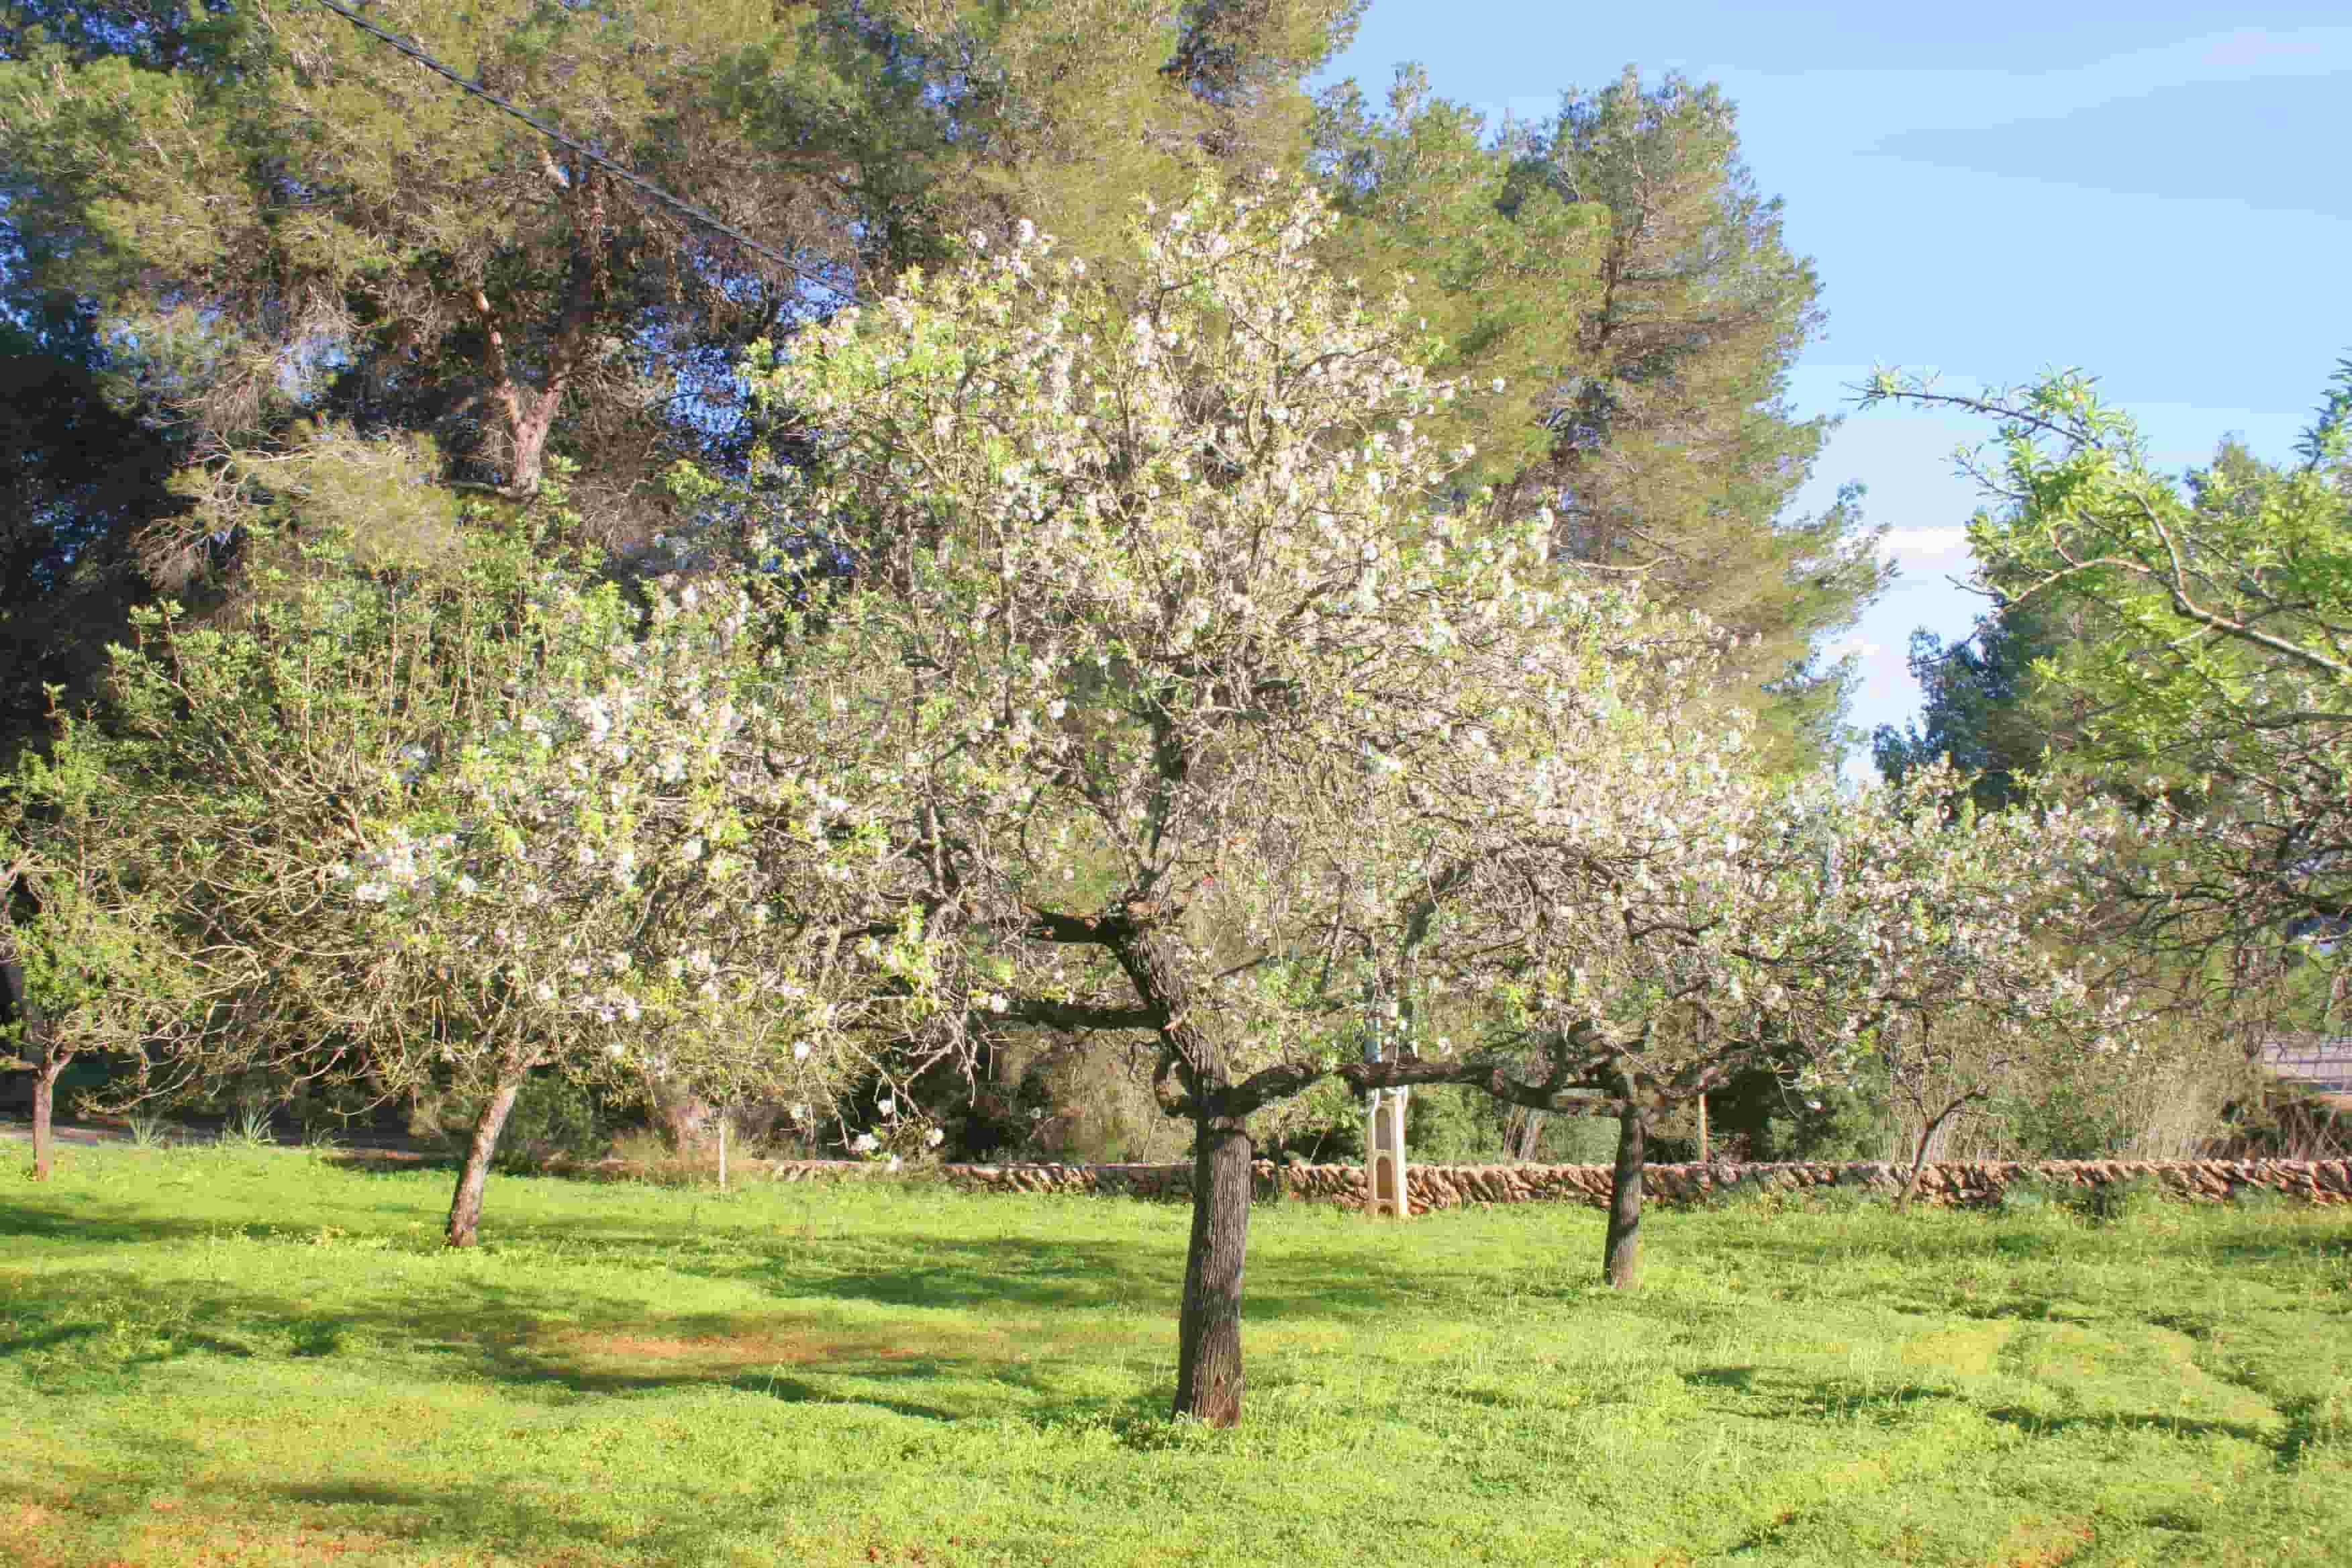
2116	1203
1451	1125
2063	1122
1753	1191
1759	1112
2031	1196
1579	1141
1325	1126
2251	1197
1846	1197
554	1118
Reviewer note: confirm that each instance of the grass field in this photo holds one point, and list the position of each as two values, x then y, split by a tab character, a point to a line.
253	1358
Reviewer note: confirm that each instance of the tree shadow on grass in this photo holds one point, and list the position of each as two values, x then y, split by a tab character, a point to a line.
2287	1442
84	1334
934	1270
461	1518
97	1222
802	1391
1776	1396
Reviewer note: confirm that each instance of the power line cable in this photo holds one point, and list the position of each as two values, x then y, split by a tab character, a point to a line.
684	208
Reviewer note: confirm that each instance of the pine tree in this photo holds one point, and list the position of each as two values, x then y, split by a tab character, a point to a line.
1673	454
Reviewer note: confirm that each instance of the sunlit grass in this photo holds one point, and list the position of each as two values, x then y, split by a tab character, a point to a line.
210	1356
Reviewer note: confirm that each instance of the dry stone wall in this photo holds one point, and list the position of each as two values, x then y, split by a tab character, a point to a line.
1433	1187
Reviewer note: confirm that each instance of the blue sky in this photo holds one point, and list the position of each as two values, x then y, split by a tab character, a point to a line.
2155	192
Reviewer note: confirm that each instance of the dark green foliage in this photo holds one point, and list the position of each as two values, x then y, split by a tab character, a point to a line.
2113	1203
1672	450
2027	1194
78	480
1325	1126
1449	1124
554	1118
1579	1141
1985	707
1845	1197
2061	1120
1761	1118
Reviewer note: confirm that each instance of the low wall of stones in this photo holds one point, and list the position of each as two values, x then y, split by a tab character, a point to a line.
1430	1187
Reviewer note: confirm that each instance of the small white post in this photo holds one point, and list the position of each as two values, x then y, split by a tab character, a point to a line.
1386	1189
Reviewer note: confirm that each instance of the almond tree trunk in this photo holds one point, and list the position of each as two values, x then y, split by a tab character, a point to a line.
1209	1326
1621	1256
1928	1131
45	1100
1529	1140
465	1207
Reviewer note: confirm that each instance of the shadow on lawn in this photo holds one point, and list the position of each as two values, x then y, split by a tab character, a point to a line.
942	1270
998	1273
1772	1395
2297	1430
96	1331
464	1517
107	1222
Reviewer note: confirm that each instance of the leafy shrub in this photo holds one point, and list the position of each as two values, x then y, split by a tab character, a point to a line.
2063	1122
2029	1195
554	1118
2116	1203
1753	1191
1578	1141
2251	1197
1759	1112
1448	1124
1846	1197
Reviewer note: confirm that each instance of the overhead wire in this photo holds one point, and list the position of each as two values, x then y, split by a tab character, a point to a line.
675	204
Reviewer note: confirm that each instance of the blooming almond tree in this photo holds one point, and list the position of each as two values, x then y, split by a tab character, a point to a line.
1182	658
466	824
1667	919
1196	704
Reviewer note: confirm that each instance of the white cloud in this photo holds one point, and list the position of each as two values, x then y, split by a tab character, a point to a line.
1926	546
1864	646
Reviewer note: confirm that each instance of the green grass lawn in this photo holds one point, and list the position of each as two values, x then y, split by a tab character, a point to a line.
260	1358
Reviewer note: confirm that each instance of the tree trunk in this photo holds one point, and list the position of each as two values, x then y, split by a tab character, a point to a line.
1621	1256
45	1101
1209	1327
465	1207
1928	1131
1911	1177
1529	1134
685	1114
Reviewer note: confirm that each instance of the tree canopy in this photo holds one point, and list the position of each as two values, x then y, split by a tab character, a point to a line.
2184	637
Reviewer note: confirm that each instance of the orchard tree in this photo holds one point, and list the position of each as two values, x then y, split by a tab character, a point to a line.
461	824
1170	653
2206	660
1665	919
85	949
1980	918
1203	721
